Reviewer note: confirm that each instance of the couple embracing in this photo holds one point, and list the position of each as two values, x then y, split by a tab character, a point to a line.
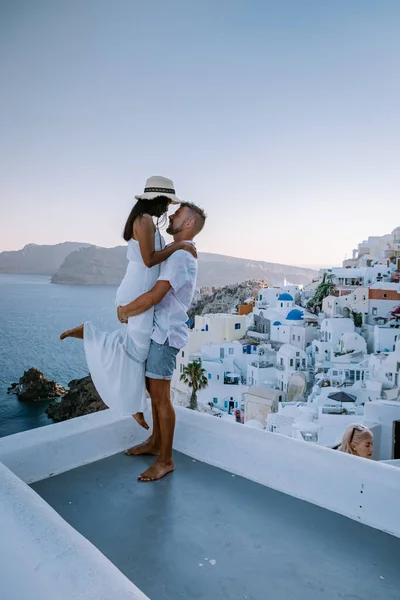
152	303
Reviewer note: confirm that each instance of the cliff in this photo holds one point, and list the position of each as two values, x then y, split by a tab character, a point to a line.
95	265
222	300
36	259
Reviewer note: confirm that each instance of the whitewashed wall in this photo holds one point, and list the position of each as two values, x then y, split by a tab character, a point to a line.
385	338
46	451
384	413
364	490
44	558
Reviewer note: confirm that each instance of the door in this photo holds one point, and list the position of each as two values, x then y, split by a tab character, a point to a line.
396	440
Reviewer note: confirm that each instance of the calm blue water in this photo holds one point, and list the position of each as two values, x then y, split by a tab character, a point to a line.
33	313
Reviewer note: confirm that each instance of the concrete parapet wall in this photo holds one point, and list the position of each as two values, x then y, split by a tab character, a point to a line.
361	489
43	558
46	451
364	490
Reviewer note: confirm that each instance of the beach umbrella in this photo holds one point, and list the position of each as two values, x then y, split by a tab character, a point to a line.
342	397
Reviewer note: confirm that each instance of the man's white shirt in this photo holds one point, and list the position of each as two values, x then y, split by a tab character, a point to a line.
170	316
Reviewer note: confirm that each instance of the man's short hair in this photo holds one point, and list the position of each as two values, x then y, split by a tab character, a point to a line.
198	214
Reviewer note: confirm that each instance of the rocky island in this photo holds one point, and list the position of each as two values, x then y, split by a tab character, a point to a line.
34	386
81	397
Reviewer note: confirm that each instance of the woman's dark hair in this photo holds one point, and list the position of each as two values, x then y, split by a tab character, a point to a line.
156	208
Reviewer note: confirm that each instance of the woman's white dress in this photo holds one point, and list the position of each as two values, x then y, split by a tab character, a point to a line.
116	360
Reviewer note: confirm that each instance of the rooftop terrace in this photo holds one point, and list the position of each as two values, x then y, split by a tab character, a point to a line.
166	536
247	514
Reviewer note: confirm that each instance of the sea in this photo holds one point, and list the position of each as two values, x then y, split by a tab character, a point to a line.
33	313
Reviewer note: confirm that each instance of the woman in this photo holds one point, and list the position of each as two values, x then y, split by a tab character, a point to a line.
116	360
358	440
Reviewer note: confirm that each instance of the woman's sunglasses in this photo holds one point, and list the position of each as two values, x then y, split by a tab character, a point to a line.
356	428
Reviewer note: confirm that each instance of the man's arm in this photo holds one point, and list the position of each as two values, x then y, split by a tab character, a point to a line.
144	302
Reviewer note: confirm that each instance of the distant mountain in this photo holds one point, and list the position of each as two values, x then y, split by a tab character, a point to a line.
95	265
219	270
36	259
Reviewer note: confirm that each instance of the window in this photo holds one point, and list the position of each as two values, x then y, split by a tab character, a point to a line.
298	338
236	404
206	327
209	376
238	326
226	404
217	377
374	311
297	353
291	362
231	350
293	337
181	368
215	400
183	354
385	295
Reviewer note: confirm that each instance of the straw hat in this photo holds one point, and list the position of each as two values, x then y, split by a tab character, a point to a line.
159	186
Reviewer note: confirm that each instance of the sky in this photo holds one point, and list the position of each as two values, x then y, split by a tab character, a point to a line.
280	118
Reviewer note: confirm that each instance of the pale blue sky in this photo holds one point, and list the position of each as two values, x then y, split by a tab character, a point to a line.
280	118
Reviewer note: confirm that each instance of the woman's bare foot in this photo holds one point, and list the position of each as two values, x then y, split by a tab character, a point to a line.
76	332
148	447
139	418
157	471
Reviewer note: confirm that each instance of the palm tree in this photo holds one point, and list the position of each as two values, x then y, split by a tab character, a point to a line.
324	289
193	375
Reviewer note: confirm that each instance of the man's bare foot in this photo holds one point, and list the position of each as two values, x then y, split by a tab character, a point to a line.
148	447
139	418
157	471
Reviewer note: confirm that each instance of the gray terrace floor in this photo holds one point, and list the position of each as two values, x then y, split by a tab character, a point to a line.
266	545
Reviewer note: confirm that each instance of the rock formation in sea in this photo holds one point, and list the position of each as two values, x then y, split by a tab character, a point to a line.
80	399
33	385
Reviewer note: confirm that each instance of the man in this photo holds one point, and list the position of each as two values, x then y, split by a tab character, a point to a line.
171	296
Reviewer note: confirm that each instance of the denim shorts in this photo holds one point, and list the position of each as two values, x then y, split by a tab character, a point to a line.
161	361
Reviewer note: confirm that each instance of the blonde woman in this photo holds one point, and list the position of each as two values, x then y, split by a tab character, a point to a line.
358	440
